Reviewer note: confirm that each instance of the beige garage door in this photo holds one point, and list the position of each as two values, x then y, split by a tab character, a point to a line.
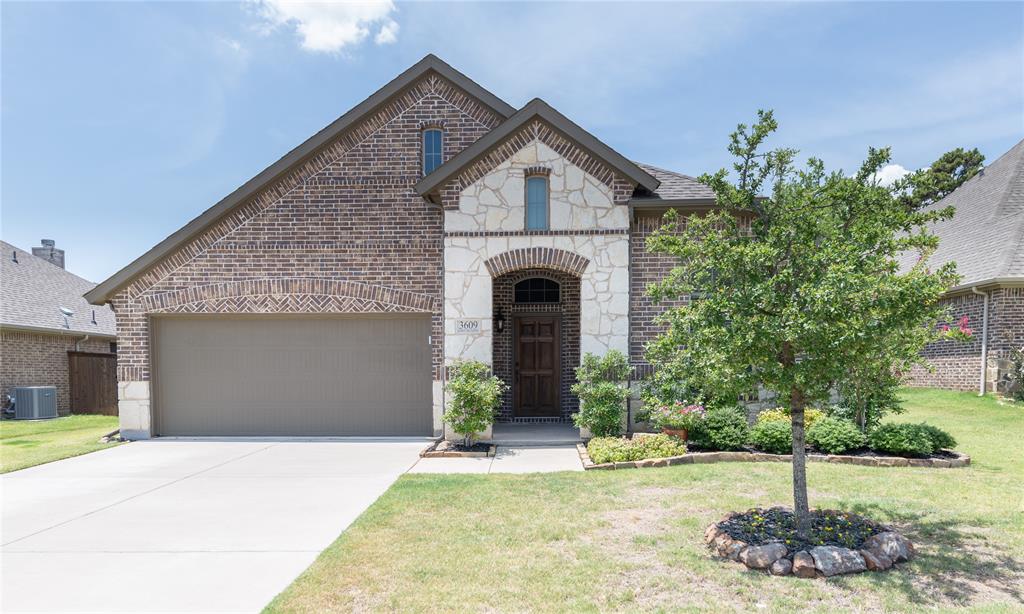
296	376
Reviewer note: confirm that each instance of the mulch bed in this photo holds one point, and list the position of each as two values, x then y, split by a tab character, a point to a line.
944	459
454	449
828	528
839	543
863	453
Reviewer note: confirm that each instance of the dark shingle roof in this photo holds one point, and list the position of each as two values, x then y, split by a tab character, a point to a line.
32	291
985	237
675	186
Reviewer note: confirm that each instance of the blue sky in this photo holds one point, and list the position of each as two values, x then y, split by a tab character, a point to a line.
122	121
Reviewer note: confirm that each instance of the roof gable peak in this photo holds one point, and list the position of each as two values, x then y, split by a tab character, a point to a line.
535	109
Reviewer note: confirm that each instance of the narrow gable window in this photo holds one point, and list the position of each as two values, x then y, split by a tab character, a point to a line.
537	202
432	139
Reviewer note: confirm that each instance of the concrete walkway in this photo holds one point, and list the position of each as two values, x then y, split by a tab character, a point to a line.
183	526
534	459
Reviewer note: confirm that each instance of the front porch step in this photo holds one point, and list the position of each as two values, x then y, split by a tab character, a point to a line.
534	434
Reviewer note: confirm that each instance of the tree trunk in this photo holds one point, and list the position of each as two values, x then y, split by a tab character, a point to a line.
800	505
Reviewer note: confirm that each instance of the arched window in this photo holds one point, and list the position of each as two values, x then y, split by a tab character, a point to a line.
432	148
537	290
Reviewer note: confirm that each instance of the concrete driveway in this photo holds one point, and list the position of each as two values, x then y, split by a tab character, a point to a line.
183	526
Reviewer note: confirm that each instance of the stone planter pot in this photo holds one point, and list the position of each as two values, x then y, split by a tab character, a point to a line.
680	433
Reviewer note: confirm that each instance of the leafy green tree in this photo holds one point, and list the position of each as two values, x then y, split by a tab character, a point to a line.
943	176
795	285
475	394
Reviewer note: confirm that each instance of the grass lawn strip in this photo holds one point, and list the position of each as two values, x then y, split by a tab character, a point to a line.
633	540
26	443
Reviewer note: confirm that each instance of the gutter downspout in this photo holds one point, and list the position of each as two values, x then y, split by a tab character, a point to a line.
81	341
984	340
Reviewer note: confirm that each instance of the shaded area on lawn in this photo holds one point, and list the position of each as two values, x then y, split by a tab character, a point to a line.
26	443
633	540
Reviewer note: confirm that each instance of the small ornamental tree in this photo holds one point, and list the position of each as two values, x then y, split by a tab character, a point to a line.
798	280
601	392
475	395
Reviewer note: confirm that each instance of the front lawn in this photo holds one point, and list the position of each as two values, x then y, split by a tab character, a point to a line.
633	540
25	443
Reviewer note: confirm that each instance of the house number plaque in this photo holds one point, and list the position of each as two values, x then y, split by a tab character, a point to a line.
467	326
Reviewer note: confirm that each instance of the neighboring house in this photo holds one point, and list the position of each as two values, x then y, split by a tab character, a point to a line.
40	346
985	238
430	224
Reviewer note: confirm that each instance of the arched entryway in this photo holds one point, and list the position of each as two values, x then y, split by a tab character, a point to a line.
536	343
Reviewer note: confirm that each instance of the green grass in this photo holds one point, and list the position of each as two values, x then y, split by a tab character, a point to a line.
26	443
632	540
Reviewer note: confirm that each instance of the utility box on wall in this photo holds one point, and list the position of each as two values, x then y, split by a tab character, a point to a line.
35	402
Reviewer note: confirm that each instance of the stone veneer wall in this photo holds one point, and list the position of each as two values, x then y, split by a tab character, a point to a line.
568	307
40	359
604	290
344	233
956	364
496	201
485	220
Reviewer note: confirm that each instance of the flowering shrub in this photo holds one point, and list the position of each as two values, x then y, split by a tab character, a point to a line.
620	449
678	415
781	414
961	332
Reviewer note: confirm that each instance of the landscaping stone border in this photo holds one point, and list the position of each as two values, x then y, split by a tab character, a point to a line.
431	451
961	460
878	553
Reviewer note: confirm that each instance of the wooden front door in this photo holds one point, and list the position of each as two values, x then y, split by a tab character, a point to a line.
93	382
537	354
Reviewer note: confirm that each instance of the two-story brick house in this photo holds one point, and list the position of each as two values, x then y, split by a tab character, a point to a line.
431	223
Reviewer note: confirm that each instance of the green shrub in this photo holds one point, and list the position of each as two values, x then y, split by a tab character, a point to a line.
940	438
772	436
781	414
475	394
601	394
835	436
620	449
901	439
723	428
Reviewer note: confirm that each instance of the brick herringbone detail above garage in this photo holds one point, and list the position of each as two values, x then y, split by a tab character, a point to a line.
290	303
539	258
291	294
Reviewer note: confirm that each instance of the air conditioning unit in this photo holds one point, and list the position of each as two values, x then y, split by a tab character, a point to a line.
35	402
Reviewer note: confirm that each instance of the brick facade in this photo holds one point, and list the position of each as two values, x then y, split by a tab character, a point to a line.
344	233
39	359
956	365
645	268
568	307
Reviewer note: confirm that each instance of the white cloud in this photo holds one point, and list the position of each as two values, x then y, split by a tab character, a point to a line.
890	174
388	33
328	27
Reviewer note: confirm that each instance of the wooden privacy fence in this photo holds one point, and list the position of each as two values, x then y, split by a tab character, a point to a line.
93	382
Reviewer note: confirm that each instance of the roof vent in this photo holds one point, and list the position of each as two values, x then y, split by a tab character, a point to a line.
49	252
